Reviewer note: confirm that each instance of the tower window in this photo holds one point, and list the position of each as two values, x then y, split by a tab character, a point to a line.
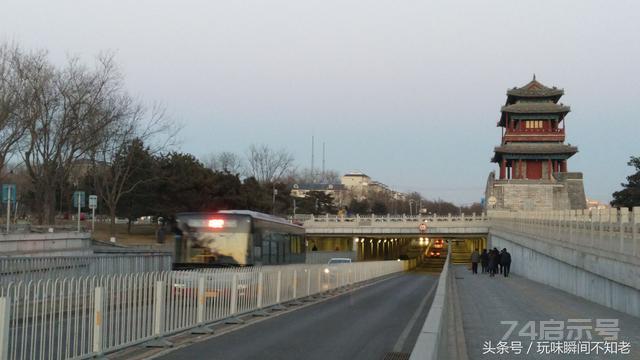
533	124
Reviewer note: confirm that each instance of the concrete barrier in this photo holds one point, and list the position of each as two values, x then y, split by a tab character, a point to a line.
603	280
428	346
47	244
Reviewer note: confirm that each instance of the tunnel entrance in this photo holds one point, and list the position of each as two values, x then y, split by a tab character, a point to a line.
461	249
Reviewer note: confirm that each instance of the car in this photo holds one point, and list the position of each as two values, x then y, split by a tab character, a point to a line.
339	261
438	244
434	254
331	271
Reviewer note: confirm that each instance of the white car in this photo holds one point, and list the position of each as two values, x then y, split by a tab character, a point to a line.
336	261
339	261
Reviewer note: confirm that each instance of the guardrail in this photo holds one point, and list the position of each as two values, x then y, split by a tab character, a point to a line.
25	269
364	220
615	231
89	316
428	344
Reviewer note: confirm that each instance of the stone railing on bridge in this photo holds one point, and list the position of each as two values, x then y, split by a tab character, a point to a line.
615	232
592	254
311	221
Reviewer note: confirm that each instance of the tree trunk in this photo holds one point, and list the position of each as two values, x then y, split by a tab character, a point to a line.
112	218
48	215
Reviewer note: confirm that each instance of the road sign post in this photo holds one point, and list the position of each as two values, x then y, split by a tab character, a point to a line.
8	195
93	204
78	201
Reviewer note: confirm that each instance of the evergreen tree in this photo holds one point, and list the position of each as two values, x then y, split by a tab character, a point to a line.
629	196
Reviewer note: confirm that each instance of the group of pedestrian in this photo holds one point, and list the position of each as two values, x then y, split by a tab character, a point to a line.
492	262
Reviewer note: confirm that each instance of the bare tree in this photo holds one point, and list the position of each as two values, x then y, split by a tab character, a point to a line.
306	176
226	161
118	158
268	165
66	113
11	128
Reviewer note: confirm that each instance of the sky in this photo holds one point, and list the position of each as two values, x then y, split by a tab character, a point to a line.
408	92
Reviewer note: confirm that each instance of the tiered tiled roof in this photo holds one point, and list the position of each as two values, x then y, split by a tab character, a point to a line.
536	108
535	89
535	148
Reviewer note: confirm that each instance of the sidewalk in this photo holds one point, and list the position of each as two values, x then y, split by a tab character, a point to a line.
486	301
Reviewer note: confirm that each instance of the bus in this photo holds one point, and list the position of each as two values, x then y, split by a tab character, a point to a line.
237	238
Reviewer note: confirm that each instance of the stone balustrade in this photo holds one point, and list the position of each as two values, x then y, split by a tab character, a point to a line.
615	232
403	221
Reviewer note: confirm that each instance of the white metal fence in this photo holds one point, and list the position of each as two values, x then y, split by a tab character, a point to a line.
15	269
87	316
323	257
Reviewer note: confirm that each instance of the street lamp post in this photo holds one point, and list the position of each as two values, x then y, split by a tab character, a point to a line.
273	201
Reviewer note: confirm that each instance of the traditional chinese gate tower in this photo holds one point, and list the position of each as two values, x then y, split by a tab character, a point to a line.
533	156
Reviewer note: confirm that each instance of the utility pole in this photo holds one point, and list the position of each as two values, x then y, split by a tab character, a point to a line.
294	208
312	156
323	158
8	207
273	202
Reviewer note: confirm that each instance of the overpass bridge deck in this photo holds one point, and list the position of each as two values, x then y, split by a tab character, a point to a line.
396	225
486	301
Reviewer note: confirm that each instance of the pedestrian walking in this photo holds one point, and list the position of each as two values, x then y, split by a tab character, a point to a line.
498	261
505	258
493	262
475	258
484	260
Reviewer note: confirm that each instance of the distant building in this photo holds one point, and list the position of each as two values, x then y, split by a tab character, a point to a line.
378	187
596	205
337	191
81	167
355	179
532	156
357	183
354	185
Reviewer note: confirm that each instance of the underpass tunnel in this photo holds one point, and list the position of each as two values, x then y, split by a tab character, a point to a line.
366	248
461	248
394	246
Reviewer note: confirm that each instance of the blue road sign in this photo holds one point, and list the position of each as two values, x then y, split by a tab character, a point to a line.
78	199
5	192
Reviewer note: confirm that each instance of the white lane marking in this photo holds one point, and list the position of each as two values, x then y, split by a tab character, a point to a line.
405	333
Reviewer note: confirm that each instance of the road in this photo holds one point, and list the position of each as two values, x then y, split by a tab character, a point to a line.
364	324
485	302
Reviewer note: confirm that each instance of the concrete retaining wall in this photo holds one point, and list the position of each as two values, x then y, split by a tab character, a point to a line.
430	342
47	244
573	271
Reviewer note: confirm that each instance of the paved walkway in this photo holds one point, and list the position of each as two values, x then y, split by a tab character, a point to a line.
485	302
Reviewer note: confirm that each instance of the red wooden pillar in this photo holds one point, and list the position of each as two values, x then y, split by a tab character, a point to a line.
503	168
549	168
519	168
563	166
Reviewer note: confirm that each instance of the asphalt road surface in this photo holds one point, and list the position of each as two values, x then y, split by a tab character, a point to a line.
485	302
364	324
